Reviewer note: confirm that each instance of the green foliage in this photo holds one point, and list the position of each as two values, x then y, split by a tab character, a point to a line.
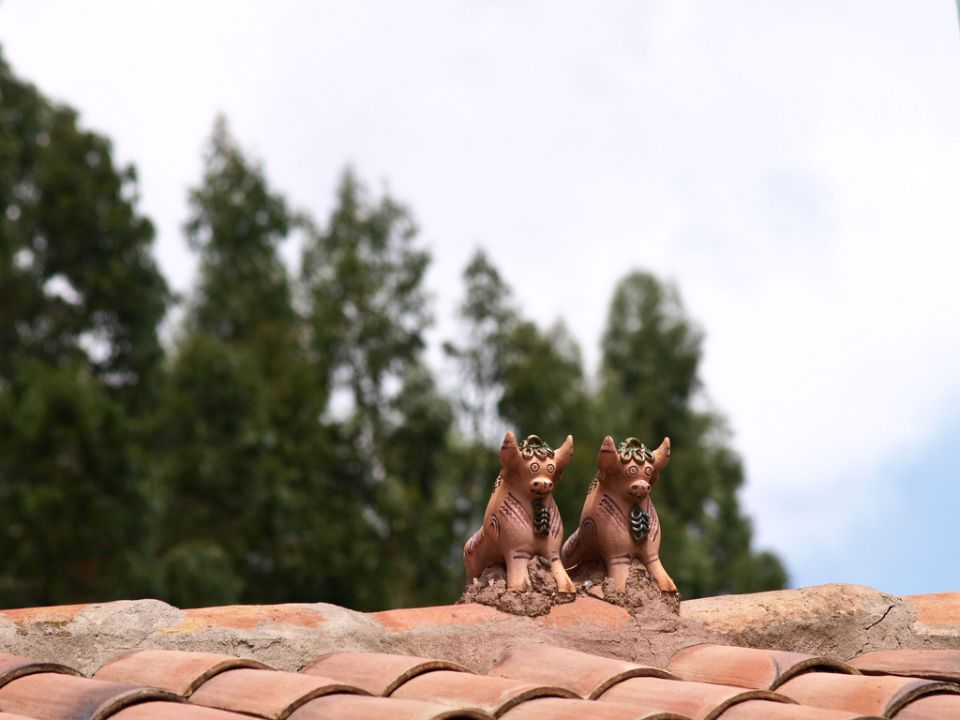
238	426
78	283
271	492
237	224
363	276
367	312
68	497
80	359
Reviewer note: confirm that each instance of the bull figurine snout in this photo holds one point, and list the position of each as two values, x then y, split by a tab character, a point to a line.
541	486
639	489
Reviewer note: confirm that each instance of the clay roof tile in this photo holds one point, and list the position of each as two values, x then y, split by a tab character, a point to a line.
248	617
361	707
15	666
699	701
178	671
589	676
414	618
935	610
932	664
160	710
869	694
377	673
56	696
268	694
748	667
931	707
766	710
562	709
493	695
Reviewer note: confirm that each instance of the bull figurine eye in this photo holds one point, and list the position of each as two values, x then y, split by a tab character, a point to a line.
534	467
550	468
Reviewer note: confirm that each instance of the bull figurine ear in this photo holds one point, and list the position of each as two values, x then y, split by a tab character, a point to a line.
509	452
661	456
563	455
608	460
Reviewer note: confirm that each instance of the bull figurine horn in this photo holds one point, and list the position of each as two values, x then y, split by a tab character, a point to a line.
608	460
661	456
509	452
563	455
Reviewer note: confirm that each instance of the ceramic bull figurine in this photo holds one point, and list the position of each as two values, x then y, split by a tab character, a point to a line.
522	520
619	522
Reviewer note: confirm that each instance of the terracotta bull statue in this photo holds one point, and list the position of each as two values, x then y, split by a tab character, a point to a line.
619	522
522	520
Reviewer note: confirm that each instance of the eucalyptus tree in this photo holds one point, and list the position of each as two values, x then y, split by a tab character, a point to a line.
651	388
368	311
81	299
240	423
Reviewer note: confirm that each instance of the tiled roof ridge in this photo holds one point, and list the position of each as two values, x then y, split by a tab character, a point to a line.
834	621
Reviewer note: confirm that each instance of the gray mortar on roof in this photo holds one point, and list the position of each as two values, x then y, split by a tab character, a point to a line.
840	621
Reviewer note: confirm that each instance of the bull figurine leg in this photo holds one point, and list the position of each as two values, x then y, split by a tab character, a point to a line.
564	583
478	554
618	569
518	576
652	562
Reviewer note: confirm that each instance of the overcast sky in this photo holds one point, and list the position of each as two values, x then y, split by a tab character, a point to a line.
793	166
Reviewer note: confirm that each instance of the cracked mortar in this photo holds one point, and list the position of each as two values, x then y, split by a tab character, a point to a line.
840	621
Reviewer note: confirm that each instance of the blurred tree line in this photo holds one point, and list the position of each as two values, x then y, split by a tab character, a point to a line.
292	444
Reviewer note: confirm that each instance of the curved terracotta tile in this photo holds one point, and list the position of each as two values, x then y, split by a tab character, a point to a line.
586	611
492	695
558	709
931	707
765	710
15	666
413	618
266	693
699	701
53	615
247	617
377	673
361	707
178	671
868	694
587	675
933	664
8	716
53	696
937	610
173	711
748	667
